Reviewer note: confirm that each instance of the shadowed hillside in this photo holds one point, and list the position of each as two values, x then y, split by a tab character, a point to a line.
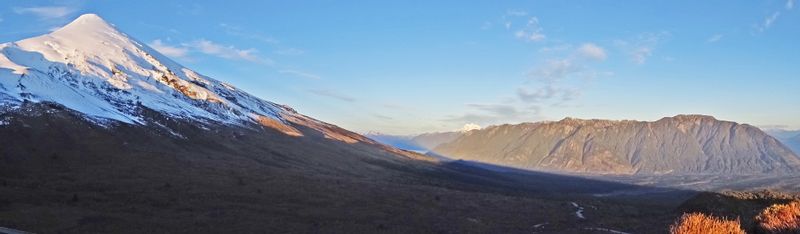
62	173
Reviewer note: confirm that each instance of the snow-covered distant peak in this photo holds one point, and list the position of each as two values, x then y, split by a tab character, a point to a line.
87	23
88	35
469	127
91	67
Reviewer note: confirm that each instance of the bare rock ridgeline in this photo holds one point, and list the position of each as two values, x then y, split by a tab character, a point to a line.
683	144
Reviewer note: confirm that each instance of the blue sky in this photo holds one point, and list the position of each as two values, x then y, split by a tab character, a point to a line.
407	67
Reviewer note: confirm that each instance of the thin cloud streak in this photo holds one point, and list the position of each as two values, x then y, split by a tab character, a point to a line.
332	94
593	51
170	51
715	38
46	13
300	74
226	51
768	21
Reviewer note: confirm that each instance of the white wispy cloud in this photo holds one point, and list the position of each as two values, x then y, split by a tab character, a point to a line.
275	44
237	31
532	31
768	21
469	127
226	51
486	25
643	46
171	51
290	51
300	74
523	26
383	117
592	51
548	93
203	46
641	54
558	81
555	69
48	12
491	113
715	38
332	94
555	48
515	12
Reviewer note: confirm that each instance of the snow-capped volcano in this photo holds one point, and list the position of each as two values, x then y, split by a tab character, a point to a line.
91	67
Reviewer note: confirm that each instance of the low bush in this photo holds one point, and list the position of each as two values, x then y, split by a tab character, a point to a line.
698	223
780	218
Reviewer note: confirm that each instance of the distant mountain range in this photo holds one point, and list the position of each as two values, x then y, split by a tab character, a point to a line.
419	143
684	144
790	138
103	134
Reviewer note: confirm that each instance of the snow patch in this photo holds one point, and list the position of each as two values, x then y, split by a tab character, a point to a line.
469	127
579	212
541	225
12	231
91	67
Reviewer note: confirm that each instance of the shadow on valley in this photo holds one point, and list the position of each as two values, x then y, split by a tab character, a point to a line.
60	173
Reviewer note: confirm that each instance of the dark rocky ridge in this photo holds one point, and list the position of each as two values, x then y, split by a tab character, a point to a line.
684	144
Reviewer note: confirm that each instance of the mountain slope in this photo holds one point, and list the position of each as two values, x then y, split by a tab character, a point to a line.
101	134
682	144
91	67
63	173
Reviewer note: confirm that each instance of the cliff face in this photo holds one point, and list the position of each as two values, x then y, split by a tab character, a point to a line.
684	144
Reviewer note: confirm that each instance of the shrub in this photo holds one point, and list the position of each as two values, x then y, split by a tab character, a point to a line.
698	223
780	218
